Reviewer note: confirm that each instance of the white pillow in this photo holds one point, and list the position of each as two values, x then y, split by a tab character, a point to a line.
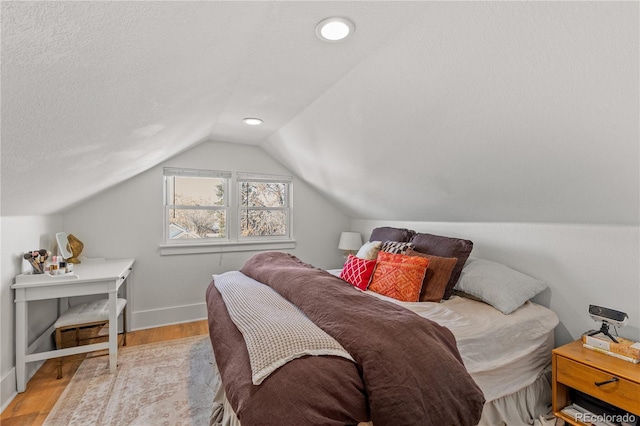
498	285
369	250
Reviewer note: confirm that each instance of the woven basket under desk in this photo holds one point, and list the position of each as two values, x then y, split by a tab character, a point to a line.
85	335
85	324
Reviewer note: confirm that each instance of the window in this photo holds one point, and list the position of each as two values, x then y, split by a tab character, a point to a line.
264	206
213	211
196	205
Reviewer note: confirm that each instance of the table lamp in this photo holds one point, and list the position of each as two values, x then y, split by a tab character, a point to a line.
350	242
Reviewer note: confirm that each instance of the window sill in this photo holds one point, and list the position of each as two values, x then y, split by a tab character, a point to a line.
225	247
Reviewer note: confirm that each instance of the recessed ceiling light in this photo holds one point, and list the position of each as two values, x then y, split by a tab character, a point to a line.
252	121
334	29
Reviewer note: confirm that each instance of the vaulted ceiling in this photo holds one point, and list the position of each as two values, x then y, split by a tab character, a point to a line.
433	111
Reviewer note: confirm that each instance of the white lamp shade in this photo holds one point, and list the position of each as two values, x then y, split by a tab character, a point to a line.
350	241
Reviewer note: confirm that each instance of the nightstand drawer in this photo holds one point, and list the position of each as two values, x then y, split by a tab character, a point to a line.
621	393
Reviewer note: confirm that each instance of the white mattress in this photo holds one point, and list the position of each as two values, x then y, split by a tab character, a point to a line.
503	353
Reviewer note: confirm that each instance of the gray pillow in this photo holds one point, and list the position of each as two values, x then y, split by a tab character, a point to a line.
498	285
388	233
439	245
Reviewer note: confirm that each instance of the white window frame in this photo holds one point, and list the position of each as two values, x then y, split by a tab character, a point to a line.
287	209
233	242
169	172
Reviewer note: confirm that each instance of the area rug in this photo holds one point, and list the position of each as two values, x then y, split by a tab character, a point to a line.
168	383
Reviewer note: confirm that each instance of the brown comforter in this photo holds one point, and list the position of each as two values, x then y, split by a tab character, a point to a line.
408	370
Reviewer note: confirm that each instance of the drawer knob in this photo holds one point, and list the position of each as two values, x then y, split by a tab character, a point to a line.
612	380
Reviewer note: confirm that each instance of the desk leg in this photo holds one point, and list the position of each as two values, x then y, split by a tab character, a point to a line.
21	345
113	331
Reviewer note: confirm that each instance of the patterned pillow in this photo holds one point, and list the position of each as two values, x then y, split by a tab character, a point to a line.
396	247
357	272
399	276
437	276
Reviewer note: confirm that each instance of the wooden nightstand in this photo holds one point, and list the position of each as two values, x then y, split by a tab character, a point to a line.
575	367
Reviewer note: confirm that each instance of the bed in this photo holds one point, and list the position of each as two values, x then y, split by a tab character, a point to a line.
509	358
484	366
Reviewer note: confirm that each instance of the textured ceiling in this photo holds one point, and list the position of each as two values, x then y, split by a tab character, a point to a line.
453	111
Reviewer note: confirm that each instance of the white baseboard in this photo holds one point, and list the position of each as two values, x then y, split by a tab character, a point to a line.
167	316
8	388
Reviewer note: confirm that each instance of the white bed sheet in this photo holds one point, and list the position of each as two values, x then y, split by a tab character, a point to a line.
503	353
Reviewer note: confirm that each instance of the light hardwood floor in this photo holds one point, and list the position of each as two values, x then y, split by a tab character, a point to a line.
31	407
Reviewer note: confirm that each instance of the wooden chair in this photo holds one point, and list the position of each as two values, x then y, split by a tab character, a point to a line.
85	321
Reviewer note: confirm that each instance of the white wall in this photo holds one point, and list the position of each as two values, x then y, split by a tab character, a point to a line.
582	264
18	235
126	221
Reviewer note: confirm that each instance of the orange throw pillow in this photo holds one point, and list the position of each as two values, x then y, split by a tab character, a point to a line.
399	276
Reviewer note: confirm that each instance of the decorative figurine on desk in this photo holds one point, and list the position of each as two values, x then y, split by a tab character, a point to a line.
70	247
76	246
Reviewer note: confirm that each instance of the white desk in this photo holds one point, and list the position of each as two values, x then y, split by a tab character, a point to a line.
94	277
